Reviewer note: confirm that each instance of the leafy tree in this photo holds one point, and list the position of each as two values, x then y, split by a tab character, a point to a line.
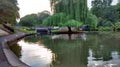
117	26
34	19
8	11
60	19
118	10
56	20
42	16
76	9
111	14
105	12
98	7
72	23
92	21
29	20
70	13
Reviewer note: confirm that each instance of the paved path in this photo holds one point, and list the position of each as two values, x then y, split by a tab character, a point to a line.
3	32
7	57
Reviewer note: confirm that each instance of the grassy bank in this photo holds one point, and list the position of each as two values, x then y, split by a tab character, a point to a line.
23	29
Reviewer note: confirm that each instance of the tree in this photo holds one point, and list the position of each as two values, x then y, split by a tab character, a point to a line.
92	21
34	19
111	14
42	16
98	7
118	10
105	12
72	23
8	11
69	13
62	20
76	9
29	20
117	26
55	20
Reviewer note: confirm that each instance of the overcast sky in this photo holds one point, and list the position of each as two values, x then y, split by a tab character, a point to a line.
35	6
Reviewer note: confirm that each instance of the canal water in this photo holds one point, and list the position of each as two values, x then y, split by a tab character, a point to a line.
73	50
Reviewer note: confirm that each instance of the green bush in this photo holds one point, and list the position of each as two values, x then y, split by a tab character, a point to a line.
92	21
117	25
105	29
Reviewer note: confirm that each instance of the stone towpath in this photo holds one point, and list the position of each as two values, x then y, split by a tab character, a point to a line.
7	57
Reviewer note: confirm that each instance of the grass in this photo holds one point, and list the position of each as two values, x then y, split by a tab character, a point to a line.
23	29
57	31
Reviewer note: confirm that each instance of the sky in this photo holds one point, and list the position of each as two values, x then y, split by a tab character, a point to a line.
89	3
35	6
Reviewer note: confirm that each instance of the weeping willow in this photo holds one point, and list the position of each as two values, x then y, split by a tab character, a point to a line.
76	9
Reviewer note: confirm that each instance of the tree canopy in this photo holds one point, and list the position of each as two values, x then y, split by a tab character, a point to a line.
99	5
60	19
106	13
92	21
29	20
118	10
76	9
34	19
8	11
42	16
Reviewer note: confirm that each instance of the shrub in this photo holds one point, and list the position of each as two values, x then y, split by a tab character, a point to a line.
105	29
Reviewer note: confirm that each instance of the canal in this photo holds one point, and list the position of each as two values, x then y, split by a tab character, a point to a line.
73	50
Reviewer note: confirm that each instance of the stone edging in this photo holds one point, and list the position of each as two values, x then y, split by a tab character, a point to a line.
12	59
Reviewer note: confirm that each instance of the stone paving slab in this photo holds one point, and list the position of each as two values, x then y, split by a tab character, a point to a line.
3	33
5	64
7	57
3	59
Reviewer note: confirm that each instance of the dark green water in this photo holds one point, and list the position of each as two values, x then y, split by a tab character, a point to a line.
76	50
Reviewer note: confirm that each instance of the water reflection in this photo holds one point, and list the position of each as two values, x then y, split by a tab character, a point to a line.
76	50
114	62
35	55
70	51
83	36
16	49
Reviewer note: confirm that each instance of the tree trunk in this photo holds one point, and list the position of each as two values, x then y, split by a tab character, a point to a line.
70	36
69	29
8	27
